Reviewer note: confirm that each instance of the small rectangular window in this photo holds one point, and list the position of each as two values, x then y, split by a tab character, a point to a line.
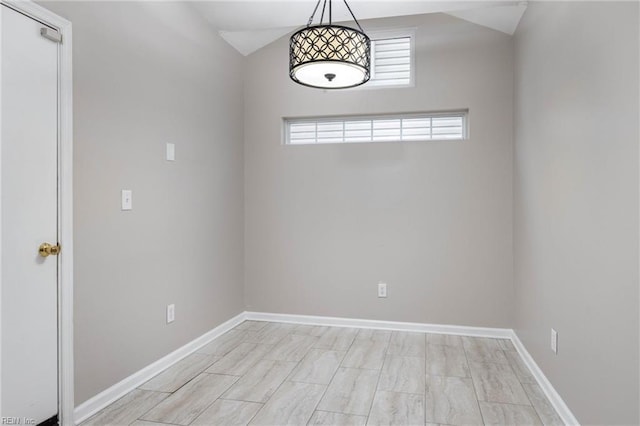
379	128
391	62
392	58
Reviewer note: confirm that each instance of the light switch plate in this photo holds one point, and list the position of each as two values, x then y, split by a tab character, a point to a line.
171	152
127	199
554	341
171	313
382	289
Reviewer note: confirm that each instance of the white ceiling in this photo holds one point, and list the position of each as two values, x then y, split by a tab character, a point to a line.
248	25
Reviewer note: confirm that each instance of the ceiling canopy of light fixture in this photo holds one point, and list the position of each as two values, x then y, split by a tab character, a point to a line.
329	56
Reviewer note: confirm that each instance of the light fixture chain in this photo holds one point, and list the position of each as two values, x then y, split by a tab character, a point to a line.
324	5
313	14
353	16
330	14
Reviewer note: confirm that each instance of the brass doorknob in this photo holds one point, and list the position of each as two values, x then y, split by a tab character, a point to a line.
47	249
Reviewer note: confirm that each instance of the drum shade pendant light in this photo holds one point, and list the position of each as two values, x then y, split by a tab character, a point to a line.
328	56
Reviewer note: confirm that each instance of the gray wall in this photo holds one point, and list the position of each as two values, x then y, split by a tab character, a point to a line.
147	73
576	202
324	224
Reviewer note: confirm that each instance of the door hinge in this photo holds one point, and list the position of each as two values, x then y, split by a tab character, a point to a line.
51	34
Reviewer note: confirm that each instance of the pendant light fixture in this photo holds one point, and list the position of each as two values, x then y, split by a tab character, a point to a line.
328	56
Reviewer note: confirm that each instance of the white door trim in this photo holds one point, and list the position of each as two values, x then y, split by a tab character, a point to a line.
65	203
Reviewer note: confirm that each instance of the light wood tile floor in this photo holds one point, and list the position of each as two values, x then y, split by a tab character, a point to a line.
264	373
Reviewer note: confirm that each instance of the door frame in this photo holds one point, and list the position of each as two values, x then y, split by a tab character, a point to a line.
66	403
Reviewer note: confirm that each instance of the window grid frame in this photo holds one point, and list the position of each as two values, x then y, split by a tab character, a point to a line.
316	121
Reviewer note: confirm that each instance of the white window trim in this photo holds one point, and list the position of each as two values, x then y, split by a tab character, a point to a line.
388	34
464	113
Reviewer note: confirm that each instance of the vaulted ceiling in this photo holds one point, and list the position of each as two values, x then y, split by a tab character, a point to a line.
248	25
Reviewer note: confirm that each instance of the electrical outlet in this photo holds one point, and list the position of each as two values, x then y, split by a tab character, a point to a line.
554	341
382	289
171	313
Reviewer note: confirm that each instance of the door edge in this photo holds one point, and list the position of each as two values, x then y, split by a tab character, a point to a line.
66	403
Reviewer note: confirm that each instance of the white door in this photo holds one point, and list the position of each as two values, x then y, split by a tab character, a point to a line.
29	206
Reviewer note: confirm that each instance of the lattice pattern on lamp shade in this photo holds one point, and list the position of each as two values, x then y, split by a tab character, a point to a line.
329	43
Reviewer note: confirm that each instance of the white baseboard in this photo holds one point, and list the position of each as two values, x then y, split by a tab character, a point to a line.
108	396
500	333
554	397
103	399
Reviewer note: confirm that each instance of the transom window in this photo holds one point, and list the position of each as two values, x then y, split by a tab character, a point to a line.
380	128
